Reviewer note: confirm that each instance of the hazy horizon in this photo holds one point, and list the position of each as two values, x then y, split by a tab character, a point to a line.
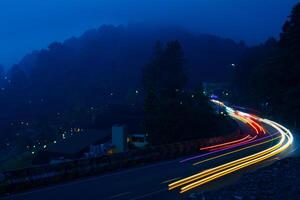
32	24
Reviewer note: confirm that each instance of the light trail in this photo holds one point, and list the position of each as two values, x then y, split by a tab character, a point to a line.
221	167
286	139
246	118
227	143
259	126
285	136
228	148
238	150
237	145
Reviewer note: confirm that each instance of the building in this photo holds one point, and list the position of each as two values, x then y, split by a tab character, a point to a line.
138	140
124	138
91	143
119	138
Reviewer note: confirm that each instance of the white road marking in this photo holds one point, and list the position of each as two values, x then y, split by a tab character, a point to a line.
119	195
149	194
85	180
173	179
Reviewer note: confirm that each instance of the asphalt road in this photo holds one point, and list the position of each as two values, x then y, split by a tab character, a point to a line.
146	182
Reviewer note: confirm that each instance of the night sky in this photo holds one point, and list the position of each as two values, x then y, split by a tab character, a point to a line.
32	24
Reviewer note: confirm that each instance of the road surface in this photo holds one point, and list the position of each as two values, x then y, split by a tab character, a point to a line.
176	179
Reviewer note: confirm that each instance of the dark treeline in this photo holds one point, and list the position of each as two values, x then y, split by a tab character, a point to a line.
80	81
269	76
172	113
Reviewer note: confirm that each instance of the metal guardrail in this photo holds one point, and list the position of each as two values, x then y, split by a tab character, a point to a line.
24	179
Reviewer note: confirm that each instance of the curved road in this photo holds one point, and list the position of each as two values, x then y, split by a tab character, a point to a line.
219	165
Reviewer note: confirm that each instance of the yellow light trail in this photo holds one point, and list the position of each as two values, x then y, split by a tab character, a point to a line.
214	170
285	135
238	150
221	167
222	170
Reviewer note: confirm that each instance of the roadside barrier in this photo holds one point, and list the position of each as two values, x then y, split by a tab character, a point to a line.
38	176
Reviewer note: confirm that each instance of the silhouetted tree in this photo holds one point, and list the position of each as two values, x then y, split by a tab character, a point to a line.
270	74
102	67
171	113
289	37
164	79
18	79
2	74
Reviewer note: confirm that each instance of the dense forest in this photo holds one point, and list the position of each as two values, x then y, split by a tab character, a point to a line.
268	77
96	79
104	76
172	113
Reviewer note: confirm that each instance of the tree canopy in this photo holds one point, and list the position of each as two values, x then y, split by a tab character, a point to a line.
171	112
269	76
